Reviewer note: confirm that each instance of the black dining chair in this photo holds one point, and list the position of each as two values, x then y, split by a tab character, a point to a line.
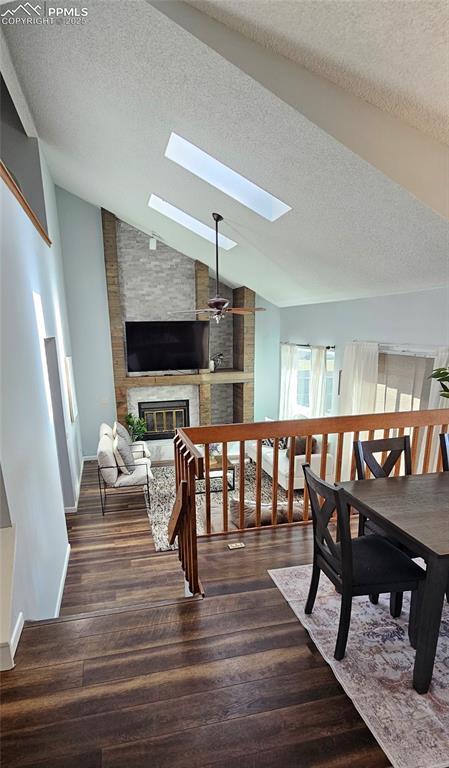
444	446
362	565
392	450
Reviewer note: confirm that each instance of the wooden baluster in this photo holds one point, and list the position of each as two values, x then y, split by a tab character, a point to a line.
352	475
397	469
427	450
339	456
258	481
242	486
224	465
415	441
274	486
193	575
291	477
207	486
306	491
439	467
323	463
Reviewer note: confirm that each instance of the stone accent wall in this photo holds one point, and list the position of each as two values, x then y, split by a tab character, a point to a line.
222	405
141	284
156	283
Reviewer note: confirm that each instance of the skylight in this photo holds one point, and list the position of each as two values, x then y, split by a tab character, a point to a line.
225	179
167	209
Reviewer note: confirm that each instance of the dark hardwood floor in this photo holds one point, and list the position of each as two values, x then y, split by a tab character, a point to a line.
135	675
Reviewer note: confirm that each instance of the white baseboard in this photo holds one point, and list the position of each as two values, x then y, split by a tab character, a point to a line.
62	581
17	631
8	649
90	458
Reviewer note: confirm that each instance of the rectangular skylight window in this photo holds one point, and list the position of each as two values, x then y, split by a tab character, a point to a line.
223	178
167	209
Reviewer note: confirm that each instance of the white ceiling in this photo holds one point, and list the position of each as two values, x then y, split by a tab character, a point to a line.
105	98
392	53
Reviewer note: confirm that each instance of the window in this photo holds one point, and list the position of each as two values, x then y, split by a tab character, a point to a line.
303	383
403	382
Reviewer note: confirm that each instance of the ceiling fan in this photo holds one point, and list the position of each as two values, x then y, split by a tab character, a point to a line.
218	307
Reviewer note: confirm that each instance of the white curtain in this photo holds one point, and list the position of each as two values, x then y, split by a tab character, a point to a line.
287	400
317	392
359	378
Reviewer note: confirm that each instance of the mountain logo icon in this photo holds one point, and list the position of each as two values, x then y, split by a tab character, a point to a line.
26	8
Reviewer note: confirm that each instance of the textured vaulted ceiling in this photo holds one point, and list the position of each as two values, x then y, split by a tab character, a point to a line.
105	97
392	53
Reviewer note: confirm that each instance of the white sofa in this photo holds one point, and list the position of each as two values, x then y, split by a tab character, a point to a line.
284	462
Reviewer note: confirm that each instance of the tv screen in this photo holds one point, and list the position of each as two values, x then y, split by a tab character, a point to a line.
176	345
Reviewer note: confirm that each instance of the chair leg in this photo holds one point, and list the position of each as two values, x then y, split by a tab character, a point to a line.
313	589
343	627
362	521
374	599
395	604
413	621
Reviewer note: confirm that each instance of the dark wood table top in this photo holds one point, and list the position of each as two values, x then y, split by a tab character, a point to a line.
416	505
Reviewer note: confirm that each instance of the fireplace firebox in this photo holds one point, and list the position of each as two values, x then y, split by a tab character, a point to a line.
164	417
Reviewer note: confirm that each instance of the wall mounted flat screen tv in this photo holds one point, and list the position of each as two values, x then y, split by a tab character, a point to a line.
173	345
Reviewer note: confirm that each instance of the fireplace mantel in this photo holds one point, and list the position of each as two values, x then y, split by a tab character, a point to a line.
225	376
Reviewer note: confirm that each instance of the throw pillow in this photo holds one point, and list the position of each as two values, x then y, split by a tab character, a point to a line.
301	446
124	455
119	430
106	460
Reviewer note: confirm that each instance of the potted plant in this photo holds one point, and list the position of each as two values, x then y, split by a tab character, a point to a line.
137	428
442	375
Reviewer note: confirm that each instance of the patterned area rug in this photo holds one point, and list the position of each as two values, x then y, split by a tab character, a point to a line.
162	498
377	670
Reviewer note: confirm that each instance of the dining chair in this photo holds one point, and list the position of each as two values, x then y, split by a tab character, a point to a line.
356	566
444	446
392	449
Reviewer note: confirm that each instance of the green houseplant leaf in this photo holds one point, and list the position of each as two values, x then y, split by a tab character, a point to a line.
137	428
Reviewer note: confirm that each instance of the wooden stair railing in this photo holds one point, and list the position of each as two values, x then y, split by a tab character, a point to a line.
182	524
335	435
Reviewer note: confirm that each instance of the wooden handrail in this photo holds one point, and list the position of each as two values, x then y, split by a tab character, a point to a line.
226	433
179	509
334	463
21	199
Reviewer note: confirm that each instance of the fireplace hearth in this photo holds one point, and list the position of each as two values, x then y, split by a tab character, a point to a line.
164	417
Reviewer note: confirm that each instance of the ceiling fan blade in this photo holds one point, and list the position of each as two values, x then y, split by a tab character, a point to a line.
244	310
192	311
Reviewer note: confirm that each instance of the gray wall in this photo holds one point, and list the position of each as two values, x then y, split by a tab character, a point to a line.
21	155
267	361
420	318
87	306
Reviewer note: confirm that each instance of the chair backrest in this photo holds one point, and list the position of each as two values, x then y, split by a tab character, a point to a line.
444	446
325	499
395	447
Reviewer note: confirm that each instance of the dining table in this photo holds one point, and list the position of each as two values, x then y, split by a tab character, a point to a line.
414	510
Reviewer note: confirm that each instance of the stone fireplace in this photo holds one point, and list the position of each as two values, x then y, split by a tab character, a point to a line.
164	417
